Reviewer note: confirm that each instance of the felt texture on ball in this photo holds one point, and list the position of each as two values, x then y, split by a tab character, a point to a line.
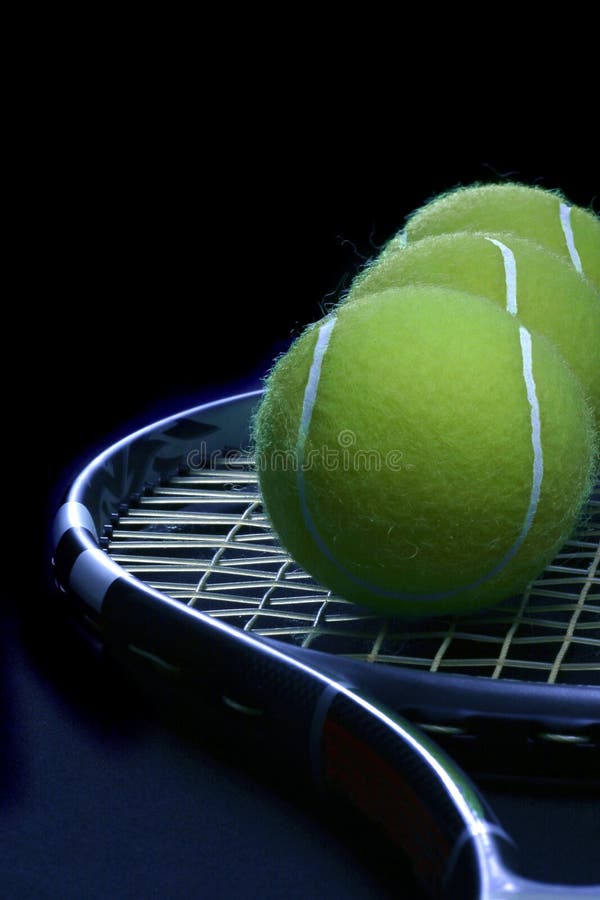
543	290
420	452
542	216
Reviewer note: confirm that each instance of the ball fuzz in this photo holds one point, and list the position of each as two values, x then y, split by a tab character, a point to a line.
530	212
421	452
542	290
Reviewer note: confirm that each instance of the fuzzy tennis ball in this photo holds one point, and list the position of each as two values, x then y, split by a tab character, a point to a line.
544	291
530	212
420	452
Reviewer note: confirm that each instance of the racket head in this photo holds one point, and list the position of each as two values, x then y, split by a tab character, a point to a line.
189	477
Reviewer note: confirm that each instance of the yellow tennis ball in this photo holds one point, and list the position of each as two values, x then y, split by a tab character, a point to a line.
544	291
530	212
420	452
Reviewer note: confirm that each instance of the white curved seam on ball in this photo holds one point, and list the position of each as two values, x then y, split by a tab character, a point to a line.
510	275
310	396
314	376
536	433
538	455
565	221
308	405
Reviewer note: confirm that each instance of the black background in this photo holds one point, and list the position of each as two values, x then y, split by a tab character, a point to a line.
171	261
168	279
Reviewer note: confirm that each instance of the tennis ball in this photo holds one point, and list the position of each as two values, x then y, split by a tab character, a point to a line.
544	291
420	452
530	212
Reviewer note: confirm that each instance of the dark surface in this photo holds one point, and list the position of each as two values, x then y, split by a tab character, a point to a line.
105	793
104	796
166	294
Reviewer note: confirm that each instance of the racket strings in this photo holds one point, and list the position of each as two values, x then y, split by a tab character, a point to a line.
204	539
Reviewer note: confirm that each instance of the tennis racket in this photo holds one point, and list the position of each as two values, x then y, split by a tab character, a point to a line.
163	550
